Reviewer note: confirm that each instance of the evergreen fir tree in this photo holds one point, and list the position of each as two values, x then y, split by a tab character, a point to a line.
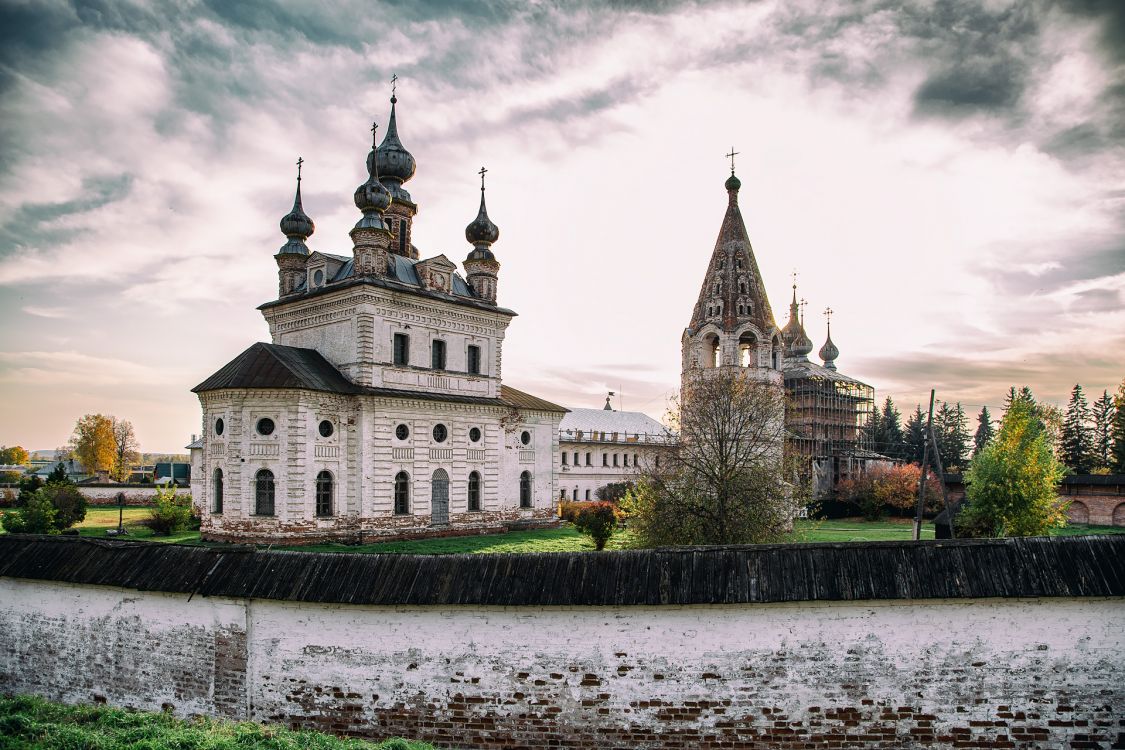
984	432
891	437
1103	437
915	436
943	432
957	439
871	431
1117	430
1077	439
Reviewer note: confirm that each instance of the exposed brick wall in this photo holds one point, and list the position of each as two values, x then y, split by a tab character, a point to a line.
947	673
1091	502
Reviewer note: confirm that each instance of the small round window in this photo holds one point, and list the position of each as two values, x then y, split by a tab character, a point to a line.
440	433
318	277
219	426
265	426
474	434
402	432
326	428
525	437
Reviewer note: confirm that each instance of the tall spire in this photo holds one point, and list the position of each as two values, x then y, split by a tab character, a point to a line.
797	342
733	292
296	225
829	352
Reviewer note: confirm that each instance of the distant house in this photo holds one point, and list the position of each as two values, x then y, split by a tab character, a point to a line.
75	471
177	472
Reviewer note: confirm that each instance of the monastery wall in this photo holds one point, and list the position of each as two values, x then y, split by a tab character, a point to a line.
1022	671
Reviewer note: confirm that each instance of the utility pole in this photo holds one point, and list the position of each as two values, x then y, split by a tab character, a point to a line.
941	478
926	437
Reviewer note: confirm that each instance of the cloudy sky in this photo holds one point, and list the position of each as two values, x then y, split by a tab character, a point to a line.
948	176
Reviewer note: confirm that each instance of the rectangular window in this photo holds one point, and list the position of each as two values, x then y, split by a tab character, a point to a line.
575	458
588	459
564	457
402	349
635	463
626	458
474	360
615	459
605	459
402	237
587	494
437	355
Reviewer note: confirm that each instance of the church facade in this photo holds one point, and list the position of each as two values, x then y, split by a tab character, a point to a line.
378	410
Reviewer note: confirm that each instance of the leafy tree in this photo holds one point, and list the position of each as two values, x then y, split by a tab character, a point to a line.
14	456
598	521
1077	439
894	487
725	484
68	502
1103	410
93	443
126	450
1117	459
915	436
984	431
1011	484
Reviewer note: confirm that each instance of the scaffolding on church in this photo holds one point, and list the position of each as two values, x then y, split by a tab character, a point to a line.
826	416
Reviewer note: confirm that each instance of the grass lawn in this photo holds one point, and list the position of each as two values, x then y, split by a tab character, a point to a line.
30	723
564	539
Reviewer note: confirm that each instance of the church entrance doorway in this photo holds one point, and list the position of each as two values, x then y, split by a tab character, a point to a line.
439	498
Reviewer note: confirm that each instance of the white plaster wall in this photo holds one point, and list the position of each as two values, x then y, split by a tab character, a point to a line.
902	673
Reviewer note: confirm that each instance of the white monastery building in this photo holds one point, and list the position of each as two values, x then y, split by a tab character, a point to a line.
377	411
603	446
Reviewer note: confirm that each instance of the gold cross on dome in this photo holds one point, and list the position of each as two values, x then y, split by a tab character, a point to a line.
731	156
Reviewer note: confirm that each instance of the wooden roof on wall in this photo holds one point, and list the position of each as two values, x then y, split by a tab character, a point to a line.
949	569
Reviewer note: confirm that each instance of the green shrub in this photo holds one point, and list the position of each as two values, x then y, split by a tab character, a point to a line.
598	521
171	513
69	503
36	517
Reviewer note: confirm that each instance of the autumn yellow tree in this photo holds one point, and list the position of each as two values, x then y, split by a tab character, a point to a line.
93	443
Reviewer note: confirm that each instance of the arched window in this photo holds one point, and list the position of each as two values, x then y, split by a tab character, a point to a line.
217	505
711	351
324	494
402	494
525	489
748	350
474	491
263	493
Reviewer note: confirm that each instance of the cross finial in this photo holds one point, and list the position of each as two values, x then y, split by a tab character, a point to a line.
828	315
374	127
731	156
804	303
300	161
482	173
794	275
394	83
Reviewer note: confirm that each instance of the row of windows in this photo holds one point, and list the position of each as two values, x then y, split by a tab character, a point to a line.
573	494
264	492
401	354
605	459
265	426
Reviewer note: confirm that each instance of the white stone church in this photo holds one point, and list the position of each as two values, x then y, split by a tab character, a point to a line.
377	411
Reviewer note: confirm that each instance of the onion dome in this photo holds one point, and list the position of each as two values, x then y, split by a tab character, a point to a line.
296	225
372	198
481	232
829	352
733	183
797	342
394	163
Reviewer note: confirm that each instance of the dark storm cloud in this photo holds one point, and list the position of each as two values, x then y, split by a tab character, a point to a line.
30	224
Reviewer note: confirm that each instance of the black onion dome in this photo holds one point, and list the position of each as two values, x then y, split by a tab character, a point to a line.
481	231
797	342
297	226
733	183
829	352
394	162
372	197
